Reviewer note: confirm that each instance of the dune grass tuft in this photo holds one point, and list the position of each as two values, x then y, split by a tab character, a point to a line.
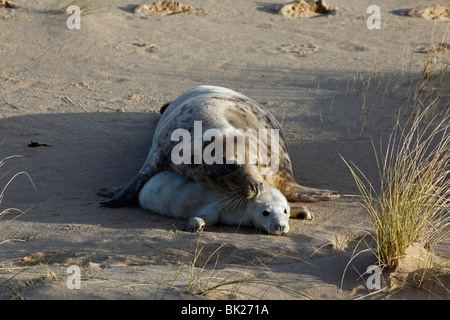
413	201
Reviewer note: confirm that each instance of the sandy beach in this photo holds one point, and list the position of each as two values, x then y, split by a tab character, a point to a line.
90	99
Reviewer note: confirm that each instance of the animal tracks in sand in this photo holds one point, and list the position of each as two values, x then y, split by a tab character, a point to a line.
437	13
137	46
164	8
6	4
299	50
304	9
433	48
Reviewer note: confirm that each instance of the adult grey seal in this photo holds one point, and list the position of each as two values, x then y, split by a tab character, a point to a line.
202	112
173	195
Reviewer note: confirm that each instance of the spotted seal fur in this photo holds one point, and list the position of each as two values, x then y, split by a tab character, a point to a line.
228	111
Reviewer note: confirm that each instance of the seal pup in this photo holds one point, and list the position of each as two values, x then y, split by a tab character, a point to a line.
173	195
227	111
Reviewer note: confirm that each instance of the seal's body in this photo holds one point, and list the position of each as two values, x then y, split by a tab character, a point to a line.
228	112
171	194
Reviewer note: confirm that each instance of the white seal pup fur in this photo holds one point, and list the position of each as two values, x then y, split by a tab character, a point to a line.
171	194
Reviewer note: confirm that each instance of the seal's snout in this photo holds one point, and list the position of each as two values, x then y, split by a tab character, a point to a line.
277	229
281	228
257	189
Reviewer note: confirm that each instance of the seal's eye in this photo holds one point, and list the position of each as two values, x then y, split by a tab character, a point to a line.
285	211
231	166
265	213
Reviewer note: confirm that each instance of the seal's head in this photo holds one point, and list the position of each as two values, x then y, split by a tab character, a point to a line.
239	181
270	212
232	167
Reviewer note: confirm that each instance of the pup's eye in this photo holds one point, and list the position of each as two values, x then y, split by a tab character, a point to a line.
265	213
285	211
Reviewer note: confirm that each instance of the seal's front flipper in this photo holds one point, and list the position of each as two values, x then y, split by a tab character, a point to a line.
195	224
300	212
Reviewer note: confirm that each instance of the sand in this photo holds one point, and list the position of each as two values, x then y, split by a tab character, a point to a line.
89	100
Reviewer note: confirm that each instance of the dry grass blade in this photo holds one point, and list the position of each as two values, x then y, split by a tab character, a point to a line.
223	280
2	192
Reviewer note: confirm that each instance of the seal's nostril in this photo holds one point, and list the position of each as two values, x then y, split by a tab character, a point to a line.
257	188
261	187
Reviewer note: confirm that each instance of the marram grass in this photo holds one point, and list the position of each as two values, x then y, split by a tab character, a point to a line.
412	203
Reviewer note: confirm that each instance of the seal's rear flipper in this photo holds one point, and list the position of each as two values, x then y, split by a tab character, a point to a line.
109	192
305	194
129	194
164	107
